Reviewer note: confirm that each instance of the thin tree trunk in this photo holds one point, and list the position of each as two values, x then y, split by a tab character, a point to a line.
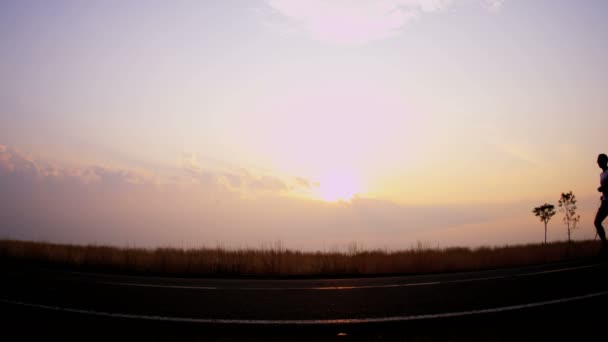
545	233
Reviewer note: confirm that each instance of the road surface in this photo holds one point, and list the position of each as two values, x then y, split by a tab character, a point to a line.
555	299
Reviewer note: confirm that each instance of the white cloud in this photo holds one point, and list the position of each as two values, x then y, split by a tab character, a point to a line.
241	180
355	22
24	166
494	5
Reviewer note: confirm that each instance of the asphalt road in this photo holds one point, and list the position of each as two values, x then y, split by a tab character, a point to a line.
548	300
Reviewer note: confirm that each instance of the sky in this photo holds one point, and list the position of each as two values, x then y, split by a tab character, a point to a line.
316	123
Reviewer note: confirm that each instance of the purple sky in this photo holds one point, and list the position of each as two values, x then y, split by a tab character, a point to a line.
317	123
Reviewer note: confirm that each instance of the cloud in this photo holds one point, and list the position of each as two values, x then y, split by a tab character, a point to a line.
18	164
234	180
305	183
241	180
354	22
14	161
494	5
201	205
518	154
216	176
267	183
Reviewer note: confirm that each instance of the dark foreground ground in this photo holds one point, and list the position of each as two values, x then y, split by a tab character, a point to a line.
567	301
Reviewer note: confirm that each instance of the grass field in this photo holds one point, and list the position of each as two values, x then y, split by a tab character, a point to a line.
277	261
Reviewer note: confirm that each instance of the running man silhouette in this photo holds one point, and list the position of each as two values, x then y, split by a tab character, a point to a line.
602	212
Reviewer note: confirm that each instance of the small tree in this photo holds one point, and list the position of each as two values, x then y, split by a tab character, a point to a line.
567	205
545	212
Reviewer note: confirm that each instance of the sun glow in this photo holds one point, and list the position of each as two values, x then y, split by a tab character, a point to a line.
337	187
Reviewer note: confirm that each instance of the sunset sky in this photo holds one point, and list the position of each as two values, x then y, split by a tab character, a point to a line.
316	123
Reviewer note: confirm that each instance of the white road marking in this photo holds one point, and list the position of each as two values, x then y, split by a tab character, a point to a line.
369	286
325	288
306	321
529	274
160	286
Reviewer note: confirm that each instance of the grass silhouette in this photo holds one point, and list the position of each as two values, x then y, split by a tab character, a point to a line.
276	261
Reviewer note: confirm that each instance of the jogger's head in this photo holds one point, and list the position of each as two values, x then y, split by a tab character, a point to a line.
602	161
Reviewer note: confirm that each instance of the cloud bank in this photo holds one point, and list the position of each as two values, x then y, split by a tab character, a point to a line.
358	22
233	207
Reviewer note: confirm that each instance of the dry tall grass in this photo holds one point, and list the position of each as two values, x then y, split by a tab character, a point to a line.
278	261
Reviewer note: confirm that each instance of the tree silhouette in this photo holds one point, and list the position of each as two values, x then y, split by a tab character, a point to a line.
545	212
567	205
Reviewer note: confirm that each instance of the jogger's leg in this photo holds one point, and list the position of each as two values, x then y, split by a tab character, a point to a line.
602	213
